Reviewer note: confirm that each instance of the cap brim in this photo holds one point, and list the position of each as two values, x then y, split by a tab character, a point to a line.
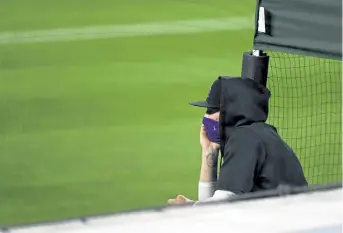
202	104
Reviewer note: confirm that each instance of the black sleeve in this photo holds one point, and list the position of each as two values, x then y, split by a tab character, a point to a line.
242	155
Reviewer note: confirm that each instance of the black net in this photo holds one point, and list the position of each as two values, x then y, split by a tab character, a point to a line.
306	107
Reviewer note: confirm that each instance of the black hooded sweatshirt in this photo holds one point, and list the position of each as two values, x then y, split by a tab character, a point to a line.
254	156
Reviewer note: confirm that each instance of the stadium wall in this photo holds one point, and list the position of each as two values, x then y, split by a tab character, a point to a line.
285	210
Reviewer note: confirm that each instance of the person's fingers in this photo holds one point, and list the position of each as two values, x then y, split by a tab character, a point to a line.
175	202
203	130
171	202
180	198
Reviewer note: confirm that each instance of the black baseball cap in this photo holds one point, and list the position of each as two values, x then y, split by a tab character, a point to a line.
212	102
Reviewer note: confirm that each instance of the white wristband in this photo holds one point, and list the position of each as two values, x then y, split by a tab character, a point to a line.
219	195
206	190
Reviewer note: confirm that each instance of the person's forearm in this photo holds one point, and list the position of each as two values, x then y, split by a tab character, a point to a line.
209	166
208	174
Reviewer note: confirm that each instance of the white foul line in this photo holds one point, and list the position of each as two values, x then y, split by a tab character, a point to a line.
130	30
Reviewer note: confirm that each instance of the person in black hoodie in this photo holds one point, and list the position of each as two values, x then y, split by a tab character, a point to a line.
254	156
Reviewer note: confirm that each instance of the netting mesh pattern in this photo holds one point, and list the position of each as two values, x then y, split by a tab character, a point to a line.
306	108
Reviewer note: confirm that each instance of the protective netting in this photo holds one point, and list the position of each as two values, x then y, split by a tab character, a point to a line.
306	107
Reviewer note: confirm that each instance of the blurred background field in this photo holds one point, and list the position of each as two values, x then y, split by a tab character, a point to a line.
104	125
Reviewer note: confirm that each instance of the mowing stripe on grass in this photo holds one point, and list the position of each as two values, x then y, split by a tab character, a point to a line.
130	30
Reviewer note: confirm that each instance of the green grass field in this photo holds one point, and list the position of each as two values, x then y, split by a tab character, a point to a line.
104	125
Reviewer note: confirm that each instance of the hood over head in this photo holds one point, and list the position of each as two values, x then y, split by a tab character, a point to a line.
243	102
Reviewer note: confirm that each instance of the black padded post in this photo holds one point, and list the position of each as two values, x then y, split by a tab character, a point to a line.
255	67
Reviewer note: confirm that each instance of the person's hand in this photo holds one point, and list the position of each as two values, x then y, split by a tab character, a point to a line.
179	200
205	143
